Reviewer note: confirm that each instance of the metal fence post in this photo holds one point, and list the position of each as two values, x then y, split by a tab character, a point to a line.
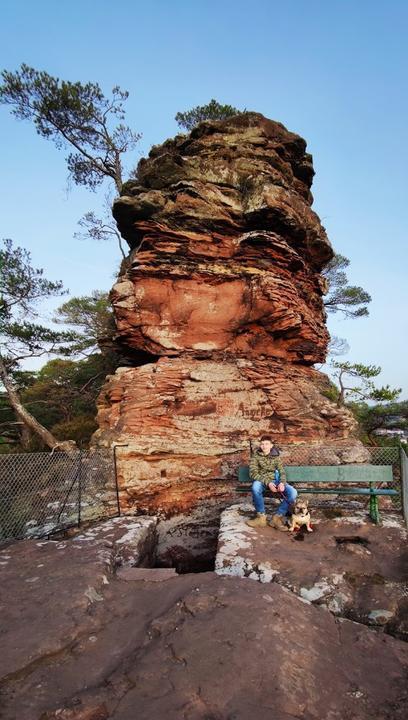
79	486
404	484
116	474
66	497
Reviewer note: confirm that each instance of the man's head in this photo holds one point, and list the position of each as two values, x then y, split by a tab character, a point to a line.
266	444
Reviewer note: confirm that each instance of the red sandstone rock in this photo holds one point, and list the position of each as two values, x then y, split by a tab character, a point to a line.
348	564
148	574
228	247
187	424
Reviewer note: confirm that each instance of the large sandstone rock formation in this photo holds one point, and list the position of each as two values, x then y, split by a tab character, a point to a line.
229	249
221	298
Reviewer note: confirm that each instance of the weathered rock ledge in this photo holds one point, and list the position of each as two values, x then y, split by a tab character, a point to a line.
187	425
353	568
47	585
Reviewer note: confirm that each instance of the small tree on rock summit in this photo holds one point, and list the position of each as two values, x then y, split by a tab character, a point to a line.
212	111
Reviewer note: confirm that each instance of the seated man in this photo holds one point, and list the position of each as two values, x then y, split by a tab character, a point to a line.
266	471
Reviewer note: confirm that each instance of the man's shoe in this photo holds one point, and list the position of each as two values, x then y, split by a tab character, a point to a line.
277	522
258	521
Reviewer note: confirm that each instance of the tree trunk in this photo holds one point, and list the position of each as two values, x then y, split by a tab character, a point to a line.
25	436
68	446
341	397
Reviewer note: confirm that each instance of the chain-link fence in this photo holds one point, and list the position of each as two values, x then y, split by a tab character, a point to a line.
41	493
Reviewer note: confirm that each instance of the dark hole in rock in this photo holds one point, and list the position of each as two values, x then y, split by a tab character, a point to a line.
356	539
137	358
364	579
188	542
188	564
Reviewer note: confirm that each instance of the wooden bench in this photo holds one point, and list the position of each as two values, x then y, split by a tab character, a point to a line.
337	475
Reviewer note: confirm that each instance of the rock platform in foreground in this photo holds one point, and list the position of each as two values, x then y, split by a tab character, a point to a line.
351	566
195	647
48	587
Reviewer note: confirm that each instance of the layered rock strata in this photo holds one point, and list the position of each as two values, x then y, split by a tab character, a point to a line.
226	248
187	424
221	296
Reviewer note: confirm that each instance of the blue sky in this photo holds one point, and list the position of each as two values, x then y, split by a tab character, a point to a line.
335	73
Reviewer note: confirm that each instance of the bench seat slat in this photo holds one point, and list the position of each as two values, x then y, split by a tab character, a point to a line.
331	491
316	481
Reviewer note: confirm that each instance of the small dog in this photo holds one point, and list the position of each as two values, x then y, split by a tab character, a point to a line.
300	516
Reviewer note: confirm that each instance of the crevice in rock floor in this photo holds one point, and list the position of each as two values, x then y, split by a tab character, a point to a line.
354	539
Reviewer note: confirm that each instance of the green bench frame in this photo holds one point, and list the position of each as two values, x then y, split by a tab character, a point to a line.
369	475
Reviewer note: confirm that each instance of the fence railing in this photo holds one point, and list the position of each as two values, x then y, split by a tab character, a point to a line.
41	493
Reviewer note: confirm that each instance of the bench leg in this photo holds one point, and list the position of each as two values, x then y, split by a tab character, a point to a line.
374	512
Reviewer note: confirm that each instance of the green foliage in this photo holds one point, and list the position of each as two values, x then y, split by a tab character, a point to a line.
92	318
331	392
363	387
62	397
21	288
212	111
351	300
74	115
96	228
381	417
80	429
9	427
21	337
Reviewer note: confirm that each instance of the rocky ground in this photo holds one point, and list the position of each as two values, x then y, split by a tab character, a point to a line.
354	568
86	636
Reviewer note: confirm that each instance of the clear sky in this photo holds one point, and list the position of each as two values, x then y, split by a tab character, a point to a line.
334	72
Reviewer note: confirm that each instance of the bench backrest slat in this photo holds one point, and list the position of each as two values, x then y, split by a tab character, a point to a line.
243	474
330	473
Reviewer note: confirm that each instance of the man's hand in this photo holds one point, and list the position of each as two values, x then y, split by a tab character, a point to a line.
272	487
281	487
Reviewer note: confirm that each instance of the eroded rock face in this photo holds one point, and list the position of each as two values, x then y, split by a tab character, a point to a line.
228	247
48	588
187	424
